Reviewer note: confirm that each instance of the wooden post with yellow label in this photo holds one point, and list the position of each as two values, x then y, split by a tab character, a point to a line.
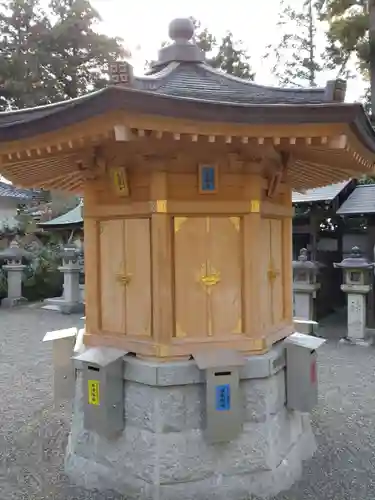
120	181
94	392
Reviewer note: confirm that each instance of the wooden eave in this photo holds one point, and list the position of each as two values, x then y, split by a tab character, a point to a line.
53	146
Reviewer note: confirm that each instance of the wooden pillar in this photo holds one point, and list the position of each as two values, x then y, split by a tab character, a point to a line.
252	227
370	255
92	265
162	266
287	260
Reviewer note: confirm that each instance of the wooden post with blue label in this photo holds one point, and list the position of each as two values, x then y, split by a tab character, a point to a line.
223	403
223	397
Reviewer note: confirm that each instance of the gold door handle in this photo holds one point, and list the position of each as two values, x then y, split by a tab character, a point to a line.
272	274
124	279
210	279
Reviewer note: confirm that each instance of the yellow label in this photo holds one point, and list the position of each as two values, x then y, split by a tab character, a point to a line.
161	206
120	179
236	222
94	392
255	206
178	221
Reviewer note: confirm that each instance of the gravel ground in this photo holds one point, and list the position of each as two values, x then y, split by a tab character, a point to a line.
33	435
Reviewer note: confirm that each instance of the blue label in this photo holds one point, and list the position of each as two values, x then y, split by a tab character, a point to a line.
208	181
223	397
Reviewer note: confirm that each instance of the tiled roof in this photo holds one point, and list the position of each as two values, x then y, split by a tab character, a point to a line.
73	217
200	81
193	80
10	191
326	193
361	201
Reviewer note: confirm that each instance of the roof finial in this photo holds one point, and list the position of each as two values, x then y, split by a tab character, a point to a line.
183	47
181	30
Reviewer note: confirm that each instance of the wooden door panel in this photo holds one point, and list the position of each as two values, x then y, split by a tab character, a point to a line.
190	252
111	262
277	262
138	268
225	258
265	263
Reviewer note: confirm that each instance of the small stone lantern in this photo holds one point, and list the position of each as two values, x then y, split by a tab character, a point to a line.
71	269
305	287
14	256
357	277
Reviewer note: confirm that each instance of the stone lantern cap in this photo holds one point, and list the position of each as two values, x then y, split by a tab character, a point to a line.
304	263
70	252
355	261
15	253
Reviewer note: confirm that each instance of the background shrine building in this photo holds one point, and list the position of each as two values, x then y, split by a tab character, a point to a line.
187	387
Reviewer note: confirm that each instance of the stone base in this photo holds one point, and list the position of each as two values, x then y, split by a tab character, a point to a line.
8	302
82	293
60	305
162	453
366	342
306	326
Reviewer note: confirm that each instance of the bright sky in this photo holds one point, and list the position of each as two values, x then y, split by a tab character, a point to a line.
144	25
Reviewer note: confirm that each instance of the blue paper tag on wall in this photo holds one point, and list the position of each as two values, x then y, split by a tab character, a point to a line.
223	397
208	179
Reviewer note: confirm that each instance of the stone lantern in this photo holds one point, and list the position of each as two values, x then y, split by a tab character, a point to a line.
305	287
14	256
70	301
357	276
71	269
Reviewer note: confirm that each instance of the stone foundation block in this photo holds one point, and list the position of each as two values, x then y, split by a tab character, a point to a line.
8	302
162	453
72	308
65	307
263	397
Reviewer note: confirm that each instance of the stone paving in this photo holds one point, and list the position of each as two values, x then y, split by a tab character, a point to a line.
33	434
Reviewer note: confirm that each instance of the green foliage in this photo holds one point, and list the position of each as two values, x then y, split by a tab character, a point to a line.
22	70
295	58
51	54
78	53
42	277
366	180
3	284
232	58
348	34
227	55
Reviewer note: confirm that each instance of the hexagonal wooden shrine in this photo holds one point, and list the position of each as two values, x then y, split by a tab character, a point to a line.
187	176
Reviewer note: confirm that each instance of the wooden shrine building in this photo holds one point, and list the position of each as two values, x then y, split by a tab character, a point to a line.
317	227
312	209
68	224
187	176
